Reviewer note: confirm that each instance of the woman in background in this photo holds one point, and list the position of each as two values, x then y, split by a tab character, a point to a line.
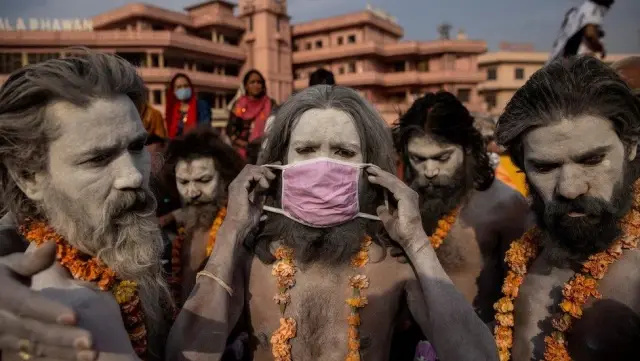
249	113
184	111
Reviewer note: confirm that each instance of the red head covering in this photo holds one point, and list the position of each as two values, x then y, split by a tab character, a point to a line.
172	110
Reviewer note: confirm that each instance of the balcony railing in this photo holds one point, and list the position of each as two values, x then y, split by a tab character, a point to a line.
120	39
201	79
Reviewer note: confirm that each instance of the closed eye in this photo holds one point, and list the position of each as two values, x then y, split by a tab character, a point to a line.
417	158
444	158
137	146
99	160
593	160
544	167
305	150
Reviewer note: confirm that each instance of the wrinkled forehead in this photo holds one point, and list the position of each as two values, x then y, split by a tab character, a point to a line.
104	123
323	126
196	167
569	137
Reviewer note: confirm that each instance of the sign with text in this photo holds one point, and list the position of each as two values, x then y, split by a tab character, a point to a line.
45	24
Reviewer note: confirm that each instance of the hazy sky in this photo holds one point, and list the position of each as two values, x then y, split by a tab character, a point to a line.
534	21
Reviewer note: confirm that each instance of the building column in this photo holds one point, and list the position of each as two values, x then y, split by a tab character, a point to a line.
214	36
161	60
149	61
25	59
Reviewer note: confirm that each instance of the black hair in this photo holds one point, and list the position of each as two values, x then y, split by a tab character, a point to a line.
444	117
322	76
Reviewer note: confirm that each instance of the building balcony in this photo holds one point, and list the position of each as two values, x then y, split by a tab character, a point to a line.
119	39
199	79
409	78
401	49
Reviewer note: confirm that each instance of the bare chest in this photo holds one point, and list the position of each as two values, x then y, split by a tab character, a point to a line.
471	257
540	297
318	305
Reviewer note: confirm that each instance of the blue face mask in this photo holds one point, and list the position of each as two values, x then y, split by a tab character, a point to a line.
183	94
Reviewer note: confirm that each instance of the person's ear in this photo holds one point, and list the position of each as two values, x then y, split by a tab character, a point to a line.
32	185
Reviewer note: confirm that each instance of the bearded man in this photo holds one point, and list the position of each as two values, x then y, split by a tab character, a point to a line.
74	170
316	283
200	166
470	216
574	279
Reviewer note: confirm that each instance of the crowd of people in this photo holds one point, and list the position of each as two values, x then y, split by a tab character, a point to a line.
310	230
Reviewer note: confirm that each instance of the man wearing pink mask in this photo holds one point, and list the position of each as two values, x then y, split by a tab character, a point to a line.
302	255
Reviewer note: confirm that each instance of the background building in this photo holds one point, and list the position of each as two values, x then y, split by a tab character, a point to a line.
215	44
508	69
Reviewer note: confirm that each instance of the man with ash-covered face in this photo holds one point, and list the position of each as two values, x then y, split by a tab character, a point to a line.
201	166
73	169
574	279
314	280
470	216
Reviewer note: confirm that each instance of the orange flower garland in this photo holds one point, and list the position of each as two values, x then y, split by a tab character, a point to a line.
91	269
576	292
284	270
175	281
444	227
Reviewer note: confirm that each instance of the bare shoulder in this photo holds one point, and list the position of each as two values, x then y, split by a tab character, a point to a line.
386	267
500	200
622	283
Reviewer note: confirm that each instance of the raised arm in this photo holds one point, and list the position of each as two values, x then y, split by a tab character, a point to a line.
215	304
217	300
448	320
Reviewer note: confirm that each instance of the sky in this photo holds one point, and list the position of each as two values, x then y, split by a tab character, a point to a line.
518	21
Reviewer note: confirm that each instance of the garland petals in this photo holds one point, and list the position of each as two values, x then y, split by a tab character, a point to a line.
91	269
444	227
576	292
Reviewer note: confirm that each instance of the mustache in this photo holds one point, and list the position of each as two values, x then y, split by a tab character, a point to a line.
590	206
138	201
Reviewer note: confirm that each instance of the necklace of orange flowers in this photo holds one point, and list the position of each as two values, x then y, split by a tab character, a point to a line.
576	291
444	227
175	280
284	270
91	269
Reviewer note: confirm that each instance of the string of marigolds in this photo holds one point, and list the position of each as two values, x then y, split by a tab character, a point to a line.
284	270
90	269
175	281
444	227
576	292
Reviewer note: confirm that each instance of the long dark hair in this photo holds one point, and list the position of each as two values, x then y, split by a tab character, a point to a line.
445	117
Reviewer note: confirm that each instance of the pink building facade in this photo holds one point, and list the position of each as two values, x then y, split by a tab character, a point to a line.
216	42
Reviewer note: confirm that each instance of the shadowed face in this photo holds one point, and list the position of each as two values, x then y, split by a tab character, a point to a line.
197	180
577	169
181	83
254	85
435	163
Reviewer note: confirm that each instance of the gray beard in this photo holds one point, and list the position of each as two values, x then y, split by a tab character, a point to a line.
199	216
128	240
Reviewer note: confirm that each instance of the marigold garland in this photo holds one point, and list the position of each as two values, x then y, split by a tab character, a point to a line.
284	270
175	281
576	292
444	227
91	269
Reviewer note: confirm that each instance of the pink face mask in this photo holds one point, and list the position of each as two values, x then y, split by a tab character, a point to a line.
320	192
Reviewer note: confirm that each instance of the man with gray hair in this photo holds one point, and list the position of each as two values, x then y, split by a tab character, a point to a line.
314	279
74	171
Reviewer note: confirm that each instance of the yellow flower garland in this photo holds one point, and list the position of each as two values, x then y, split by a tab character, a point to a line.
284	270
576	292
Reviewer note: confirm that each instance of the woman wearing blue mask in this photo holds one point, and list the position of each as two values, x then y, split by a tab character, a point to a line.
184	111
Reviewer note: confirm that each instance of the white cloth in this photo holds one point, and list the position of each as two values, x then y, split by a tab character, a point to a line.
575	20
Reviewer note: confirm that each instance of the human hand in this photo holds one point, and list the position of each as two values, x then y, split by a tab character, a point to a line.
404	224
32	327
245	196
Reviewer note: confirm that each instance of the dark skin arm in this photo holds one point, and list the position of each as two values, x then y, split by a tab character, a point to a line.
443	313
210	313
